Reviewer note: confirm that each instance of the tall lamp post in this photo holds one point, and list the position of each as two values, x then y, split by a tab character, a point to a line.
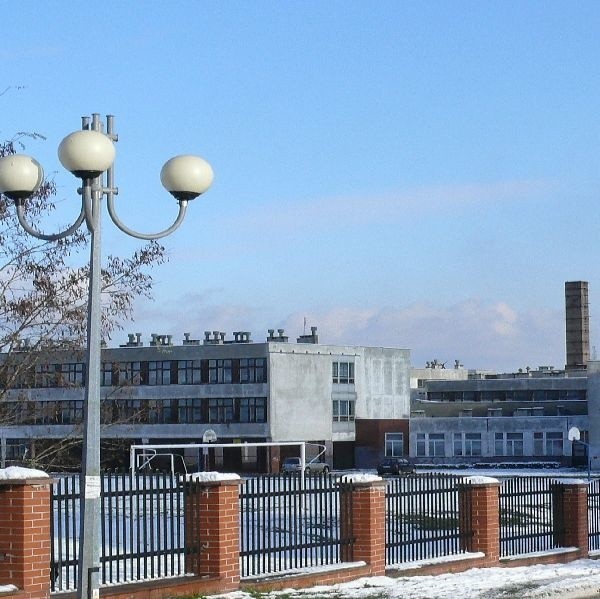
89	154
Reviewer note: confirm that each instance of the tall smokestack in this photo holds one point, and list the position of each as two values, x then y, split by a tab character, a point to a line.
577	320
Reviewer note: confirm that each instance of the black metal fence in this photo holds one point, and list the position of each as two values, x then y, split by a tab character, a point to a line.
427	516
141	528
594	515
530	515
293	521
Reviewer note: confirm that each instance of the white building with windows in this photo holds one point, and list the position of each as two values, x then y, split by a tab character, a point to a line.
275	391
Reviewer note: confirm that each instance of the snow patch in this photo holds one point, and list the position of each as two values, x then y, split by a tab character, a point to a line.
360	478
206	477
309	570
536	554
8	588
19	473
435	560
481	480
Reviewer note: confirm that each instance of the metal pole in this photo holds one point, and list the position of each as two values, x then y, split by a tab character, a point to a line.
93	190
88	583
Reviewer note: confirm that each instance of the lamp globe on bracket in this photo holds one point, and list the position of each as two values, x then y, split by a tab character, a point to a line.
86	154
20	176
186	177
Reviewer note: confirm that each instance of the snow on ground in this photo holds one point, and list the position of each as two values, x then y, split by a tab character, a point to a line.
577	580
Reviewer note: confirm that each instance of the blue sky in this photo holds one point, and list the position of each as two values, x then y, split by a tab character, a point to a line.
410	174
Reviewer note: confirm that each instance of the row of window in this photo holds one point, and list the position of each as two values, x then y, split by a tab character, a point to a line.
549	443
139	411
157	372
511	395
166	372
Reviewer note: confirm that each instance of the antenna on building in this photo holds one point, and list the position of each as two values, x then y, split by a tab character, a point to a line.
304	330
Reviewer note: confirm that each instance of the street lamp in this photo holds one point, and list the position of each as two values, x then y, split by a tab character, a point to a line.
89	154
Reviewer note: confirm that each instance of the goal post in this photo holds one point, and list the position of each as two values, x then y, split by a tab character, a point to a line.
141	455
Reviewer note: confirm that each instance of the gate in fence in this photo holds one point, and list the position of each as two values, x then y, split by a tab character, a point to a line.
593	499
142	528
427	516
531	511
293	521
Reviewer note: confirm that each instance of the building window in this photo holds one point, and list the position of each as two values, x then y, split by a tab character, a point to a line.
394	445
436	445
45	375
343	373
343	410
253	409
421	447
253	370
106	374
70	375
508	444
16	449
70	412
219	371
189	372
430	444
467	444
159	373
189	411
128	373
220	410
549	443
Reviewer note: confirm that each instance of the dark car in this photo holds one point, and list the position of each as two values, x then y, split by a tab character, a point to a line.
395	466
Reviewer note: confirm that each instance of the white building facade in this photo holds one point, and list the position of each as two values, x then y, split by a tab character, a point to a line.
274	391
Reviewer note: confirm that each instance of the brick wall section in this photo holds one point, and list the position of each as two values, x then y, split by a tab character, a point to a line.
484	503
575	517
213	518
363	516
25	536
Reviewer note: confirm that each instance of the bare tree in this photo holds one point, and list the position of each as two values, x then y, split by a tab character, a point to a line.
43	292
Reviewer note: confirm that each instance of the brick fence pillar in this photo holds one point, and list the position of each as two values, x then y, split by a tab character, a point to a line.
480	511
25	535
571	515
362	517
212	526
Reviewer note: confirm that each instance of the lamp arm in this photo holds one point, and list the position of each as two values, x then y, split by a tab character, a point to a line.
128	231
38	234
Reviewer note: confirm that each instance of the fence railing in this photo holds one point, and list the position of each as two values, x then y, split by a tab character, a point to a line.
293	521
142	530
296	521
426	517
593	499
530	515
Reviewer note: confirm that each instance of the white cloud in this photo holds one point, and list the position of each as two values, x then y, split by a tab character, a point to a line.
507	321
397	206
486	335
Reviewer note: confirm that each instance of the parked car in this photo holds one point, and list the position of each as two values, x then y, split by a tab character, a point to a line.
293	465
395	466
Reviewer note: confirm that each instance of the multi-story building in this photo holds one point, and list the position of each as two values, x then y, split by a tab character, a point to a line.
354	402
350	400
518	417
